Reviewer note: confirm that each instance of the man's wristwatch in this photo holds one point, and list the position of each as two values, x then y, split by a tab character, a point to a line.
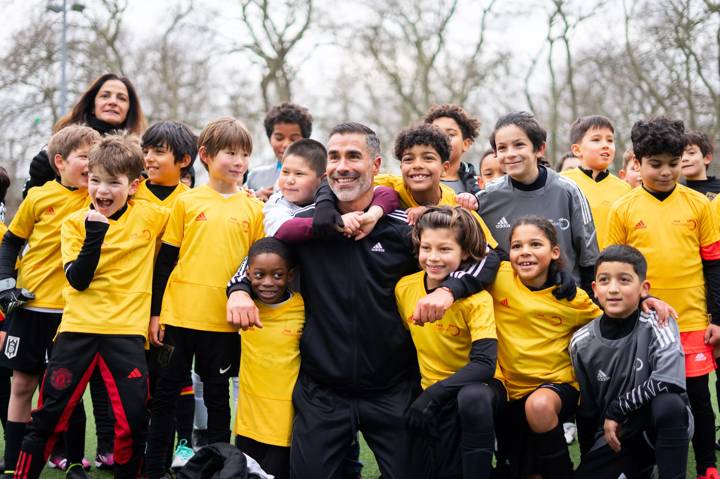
7	283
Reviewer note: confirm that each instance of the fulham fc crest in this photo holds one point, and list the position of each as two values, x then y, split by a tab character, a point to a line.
11	346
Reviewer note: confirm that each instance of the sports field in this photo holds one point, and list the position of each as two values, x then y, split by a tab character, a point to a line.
370	470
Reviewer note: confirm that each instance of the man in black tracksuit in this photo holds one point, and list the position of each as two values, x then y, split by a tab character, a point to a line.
359	369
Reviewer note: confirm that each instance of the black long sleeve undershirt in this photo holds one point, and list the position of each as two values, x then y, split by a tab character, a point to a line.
481	368
711	271
164	264
9	252
80	272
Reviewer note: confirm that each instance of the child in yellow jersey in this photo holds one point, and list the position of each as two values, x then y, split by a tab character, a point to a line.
209	232
534	330
35	230
170	148
457	354
270	360
107	257
593	142
424	155
675	230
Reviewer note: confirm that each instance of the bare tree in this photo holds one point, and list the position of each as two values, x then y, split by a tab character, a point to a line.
275	29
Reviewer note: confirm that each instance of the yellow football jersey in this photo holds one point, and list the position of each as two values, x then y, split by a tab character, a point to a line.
214	234
715	205
443	347
118	298
447	198
670	234
269	367
601	195
143	193
3	230
38	220
534	331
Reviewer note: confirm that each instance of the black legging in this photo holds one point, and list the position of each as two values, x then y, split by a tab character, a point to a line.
636	458
703	441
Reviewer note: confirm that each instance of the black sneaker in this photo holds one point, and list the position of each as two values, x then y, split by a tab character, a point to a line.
76	471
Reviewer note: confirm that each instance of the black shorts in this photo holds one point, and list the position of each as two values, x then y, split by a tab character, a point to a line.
217	354
513	431
29	340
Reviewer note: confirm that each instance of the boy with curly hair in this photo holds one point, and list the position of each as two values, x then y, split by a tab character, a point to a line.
462	130
664	216
284	124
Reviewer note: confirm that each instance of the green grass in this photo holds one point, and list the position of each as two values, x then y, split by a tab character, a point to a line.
370	469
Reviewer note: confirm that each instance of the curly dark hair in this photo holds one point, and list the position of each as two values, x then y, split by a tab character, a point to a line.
423	134
526	122
273	246
657	136
469	126
287	112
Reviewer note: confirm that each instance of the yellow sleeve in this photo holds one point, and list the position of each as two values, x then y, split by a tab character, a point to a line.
24	221
72	237
390	181
480	316
175	229
489	239
586	309
258	227
401	306
616	227
709	229
163	216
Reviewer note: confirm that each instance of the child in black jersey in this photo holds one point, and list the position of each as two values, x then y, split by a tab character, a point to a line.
633	408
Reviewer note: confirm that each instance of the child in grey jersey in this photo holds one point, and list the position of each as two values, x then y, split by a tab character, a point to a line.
633	411
529	188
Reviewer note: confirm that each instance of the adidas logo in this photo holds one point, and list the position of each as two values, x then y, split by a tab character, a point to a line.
640	225
50	211
135	373
602	377
700	357
378	248
503	223
505	302
201	217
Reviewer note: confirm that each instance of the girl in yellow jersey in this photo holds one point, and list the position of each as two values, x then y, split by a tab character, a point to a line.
534	330
270	359
457	354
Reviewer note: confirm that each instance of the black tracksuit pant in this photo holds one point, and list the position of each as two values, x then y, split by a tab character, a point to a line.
326	425
121	363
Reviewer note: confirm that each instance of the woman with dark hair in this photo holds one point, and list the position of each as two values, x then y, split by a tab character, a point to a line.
110	103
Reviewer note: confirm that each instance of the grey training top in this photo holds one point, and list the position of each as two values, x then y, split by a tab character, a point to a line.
559	200
608	368
263	176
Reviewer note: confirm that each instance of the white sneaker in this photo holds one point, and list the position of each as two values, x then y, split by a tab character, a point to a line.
570	431
182	455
